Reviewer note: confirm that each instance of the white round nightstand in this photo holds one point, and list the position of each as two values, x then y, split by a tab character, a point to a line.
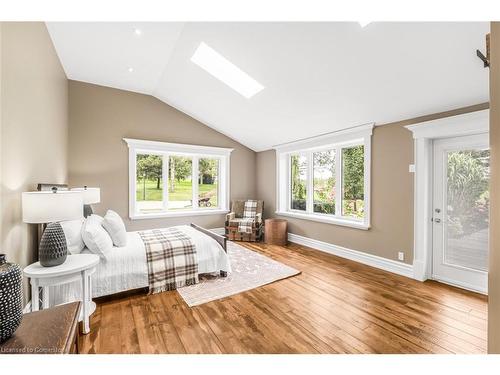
76	267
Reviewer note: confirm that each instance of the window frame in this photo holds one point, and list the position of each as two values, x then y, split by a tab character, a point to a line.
360	135
164	149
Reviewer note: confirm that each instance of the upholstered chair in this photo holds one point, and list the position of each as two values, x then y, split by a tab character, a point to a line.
234	218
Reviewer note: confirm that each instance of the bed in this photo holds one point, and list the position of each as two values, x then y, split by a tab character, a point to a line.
125	268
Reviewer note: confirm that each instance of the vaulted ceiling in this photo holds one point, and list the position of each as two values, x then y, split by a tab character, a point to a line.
317	77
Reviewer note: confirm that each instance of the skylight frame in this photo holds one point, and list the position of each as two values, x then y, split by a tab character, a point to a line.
225	71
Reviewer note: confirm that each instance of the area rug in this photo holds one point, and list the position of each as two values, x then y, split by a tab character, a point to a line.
249	270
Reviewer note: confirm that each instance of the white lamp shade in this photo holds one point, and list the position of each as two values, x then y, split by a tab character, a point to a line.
47	207
91	195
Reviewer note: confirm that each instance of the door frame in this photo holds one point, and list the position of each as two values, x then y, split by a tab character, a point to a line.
424	134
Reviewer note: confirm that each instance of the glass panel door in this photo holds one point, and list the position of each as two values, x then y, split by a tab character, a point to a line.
467	208
461	211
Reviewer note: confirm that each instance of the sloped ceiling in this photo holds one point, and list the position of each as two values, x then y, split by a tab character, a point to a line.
318	77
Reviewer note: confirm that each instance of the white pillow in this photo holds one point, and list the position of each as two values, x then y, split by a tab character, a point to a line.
73	233
95	236
114	225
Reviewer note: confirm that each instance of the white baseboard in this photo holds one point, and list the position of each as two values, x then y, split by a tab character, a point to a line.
220	231
419	270
389	265
27	308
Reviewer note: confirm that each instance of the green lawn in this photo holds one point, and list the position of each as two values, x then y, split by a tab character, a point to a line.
182	192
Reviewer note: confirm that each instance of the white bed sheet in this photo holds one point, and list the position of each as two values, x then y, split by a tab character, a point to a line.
125	268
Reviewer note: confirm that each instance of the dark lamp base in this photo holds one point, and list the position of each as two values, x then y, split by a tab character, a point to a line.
53	249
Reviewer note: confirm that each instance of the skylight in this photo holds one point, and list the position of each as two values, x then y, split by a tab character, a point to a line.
217	65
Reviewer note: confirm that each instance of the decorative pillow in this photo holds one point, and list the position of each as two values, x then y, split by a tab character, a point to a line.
73	233
95	236
114	225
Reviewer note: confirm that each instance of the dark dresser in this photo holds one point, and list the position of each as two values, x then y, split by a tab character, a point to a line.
50	331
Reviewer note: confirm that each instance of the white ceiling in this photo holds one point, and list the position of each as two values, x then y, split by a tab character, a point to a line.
318	77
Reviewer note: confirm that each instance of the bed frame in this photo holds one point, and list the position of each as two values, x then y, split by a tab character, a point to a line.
222	240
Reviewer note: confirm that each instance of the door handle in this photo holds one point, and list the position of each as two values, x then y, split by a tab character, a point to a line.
437	220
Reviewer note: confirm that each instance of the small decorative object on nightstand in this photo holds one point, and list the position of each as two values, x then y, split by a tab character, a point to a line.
11	298
275	232
91	195
77	267
41	207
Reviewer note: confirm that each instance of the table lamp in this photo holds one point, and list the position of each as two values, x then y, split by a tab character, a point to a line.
42	207
91	195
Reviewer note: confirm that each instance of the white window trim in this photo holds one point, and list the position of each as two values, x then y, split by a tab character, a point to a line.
137	146
338	140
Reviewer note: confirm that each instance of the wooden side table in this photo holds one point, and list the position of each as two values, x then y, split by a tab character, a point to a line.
78	267
51	331
276	232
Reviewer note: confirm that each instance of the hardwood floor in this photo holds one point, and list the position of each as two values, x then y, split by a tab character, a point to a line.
333	306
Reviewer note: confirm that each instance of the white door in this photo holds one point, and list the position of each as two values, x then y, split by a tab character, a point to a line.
461	211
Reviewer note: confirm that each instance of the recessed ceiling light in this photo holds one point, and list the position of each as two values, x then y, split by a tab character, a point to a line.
364	23
130	69
223	69
137	31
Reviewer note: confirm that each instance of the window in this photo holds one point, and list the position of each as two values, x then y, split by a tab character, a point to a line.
298	171
180	183
208	180
167	179
353	182
327	178
149	182
324	182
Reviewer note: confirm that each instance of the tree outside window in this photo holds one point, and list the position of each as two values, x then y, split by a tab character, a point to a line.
149	178
298	165
324	181
353	187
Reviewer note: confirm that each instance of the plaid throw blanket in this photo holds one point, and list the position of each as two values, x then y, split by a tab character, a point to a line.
171	258
249	212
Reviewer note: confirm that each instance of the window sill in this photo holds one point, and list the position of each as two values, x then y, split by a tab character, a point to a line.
325	219
162	215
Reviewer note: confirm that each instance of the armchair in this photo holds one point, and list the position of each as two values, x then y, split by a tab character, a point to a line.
234	218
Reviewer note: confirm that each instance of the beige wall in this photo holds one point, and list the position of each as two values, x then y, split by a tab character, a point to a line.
100	117
34	129
391	194
494	261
